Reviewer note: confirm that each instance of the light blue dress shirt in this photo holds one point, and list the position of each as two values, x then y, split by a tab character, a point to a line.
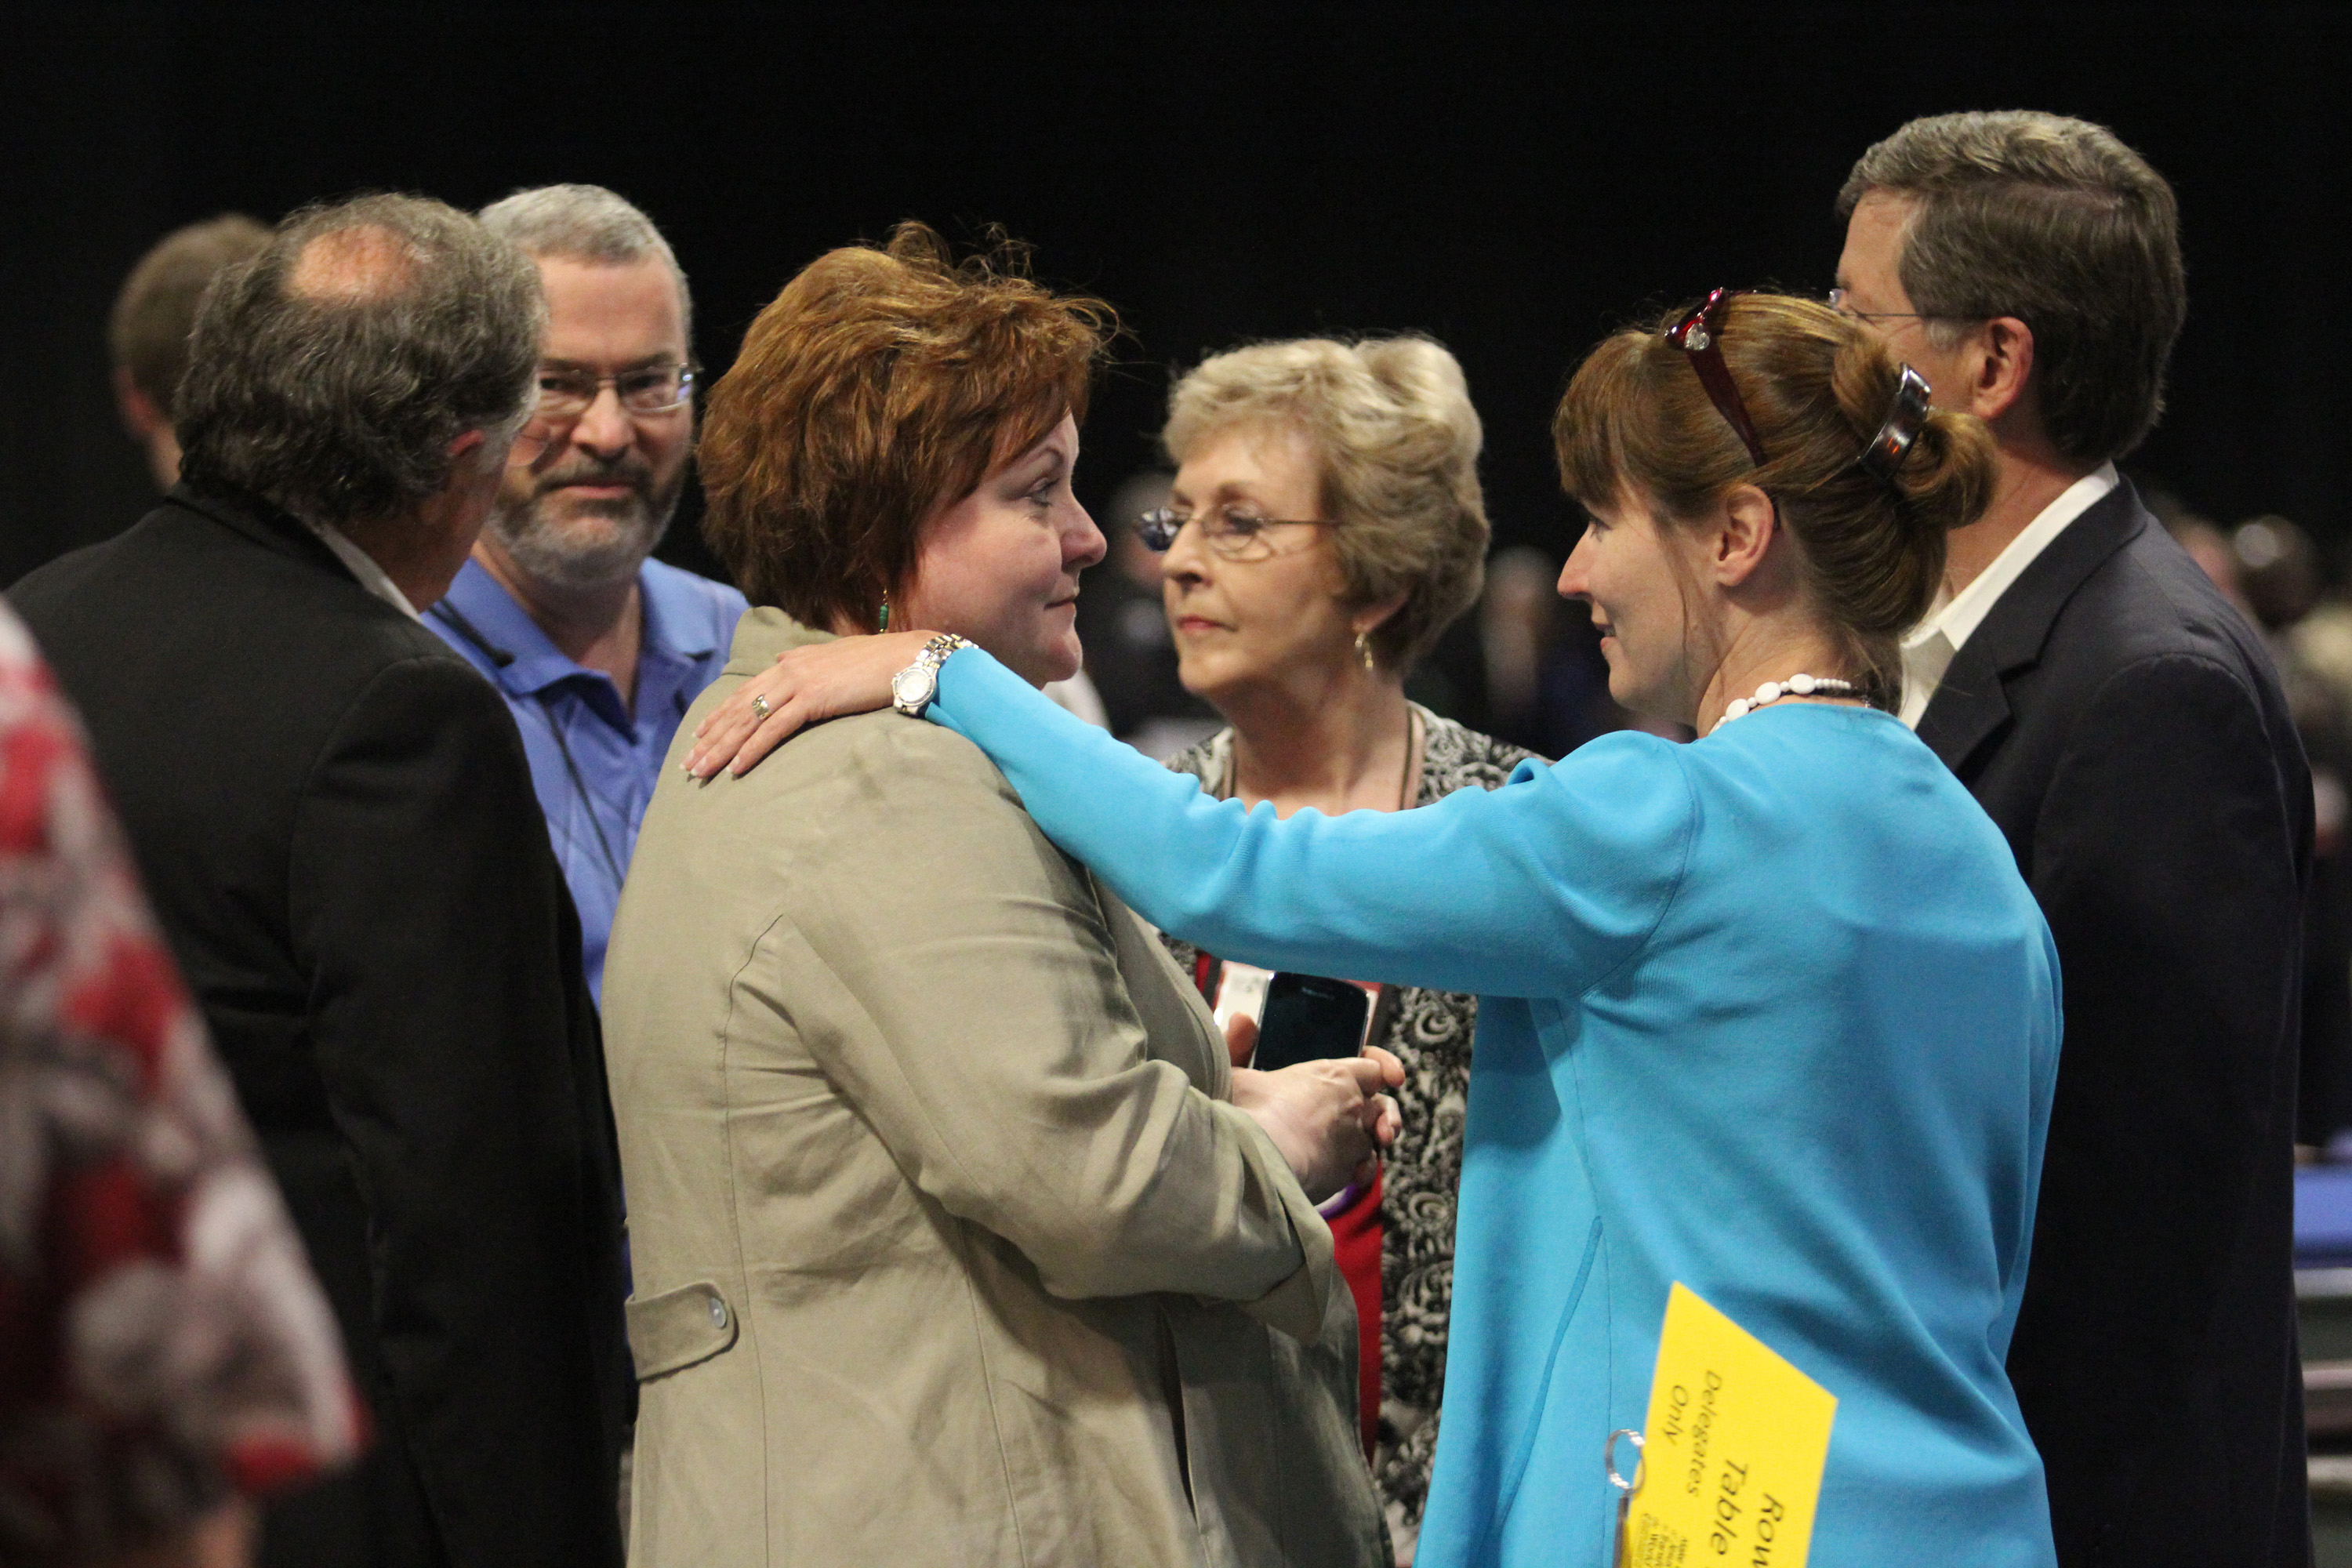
593	763
1771	1015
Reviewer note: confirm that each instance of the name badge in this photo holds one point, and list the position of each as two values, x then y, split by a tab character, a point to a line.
1732	1457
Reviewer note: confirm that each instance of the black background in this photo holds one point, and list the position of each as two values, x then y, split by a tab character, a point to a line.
1516	182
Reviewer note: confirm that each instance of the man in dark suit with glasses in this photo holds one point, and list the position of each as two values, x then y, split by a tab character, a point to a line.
2123	727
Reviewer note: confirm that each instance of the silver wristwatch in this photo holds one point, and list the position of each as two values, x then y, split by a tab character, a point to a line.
912	688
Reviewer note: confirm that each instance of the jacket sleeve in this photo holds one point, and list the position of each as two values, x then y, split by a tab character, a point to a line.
447	1015
967	998
1539	888
2168	856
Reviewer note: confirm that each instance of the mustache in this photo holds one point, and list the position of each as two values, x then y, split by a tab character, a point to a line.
629	469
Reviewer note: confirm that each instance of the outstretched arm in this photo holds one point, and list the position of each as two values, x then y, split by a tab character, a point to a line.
1539	888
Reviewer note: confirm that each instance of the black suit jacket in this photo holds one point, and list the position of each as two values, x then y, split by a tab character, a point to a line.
2123	727
336	821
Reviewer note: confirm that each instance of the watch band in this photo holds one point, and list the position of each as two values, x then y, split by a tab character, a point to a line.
912	688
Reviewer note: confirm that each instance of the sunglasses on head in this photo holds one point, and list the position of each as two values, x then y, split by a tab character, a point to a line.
1699	335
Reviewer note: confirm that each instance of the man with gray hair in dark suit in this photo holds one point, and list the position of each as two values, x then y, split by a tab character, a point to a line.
2123	727
336	821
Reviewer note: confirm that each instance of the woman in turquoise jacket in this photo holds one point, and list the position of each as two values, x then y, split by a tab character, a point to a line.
1771	1015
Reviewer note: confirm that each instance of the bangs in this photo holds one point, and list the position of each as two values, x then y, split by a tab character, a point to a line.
1035	409
1589	432
878	386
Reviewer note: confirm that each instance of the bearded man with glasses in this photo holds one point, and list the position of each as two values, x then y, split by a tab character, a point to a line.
596	647
2123	727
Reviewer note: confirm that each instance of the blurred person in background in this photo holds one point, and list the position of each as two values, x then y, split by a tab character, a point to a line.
957	1237
2206	544
2123	725
165	1353
2270	572
2278	576
148	329
1547	684
1123	624
335	820
596	647
1323	527
2321	645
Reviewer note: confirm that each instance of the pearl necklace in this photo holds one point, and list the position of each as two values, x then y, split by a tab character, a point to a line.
1799	685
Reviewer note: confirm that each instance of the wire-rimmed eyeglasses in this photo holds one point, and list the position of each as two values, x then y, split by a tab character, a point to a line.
566	392
1234	532
1842	301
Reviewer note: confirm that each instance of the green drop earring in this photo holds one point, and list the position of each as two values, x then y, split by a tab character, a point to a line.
884	625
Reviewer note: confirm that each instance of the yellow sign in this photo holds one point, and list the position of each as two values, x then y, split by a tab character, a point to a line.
1731	1465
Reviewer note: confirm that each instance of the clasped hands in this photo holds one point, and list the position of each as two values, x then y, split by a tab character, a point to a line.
1329	1118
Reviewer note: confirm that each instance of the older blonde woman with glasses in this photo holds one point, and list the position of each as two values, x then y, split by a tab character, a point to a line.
1324	528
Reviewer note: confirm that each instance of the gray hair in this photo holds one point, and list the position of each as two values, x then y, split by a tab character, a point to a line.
330	375
2055	222
590	223
1393	428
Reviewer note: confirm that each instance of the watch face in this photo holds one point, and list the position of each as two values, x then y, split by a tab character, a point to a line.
912	685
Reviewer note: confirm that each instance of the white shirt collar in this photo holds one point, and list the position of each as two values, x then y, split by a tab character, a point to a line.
1928	651
363	567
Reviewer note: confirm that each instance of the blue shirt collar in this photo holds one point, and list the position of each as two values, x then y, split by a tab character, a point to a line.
534	663
678	626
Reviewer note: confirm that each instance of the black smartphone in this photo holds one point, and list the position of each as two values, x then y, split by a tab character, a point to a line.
1307	1017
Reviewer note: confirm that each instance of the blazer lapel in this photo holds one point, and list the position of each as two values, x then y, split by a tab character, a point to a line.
1972	704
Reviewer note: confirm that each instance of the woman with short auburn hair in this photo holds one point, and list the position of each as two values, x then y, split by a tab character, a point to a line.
955	1235
1325	525
1770	1016
877	381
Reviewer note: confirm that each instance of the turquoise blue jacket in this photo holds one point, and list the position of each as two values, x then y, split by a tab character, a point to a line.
1771	1015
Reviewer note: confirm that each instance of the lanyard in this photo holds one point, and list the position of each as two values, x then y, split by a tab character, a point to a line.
499	658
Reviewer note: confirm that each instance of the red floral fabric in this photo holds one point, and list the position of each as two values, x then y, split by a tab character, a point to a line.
162	1339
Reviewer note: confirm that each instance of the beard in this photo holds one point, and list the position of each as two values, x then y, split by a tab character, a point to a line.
589	543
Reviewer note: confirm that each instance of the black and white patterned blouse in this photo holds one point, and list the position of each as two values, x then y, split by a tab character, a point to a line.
1430	1033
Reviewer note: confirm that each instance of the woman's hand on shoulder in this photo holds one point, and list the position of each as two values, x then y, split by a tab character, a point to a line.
803	687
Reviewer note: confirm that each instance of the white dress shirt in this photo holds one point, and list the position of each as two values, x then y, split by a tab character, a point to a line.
363	567
1929	649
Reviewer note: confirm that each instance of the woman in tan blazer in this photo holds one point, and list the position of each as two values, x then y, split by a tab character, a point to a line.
956	1238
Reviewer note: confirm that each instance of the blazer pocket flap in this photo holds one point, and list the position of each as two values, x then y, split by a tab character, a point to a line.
679	1328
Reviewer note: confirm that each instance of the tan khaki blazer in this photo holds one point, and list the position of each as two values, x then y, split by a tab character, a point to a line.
947	1247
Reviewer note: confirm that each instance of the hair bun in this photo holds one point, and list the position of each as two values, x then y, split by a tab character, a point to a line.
1946	480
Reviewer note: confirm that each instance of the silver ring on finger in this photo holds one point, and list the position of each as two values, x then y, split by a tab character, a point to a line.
760	706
